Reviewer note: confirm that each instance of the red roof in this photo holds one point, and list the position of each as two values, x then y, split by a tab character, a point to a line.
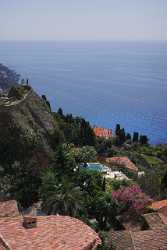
103	132
154	238
122	161
9	208
141	240
159	204
51	233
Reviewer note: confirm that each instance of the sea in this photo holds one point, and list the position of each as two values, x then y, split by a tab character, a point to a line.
105	82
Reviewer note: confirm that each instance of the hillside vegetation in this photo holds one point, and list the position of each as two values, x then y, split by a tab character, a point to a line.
40	155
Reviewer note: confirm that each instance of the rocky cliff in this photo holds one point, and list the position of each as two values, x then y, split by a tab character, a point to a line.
28	118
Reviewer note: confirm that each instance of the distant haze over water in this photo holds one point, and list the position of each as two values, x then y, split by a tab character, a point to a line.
105	82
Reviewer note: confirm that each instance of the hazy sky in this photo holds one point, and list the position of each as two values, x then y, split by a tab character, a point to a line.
83	20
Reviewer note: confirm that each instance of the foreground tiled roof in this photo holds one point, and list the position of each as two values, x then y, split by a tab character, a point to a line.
121	240
103	132
143	240
9	208
3	244
51	233
150	239
153	239
154	220
122	161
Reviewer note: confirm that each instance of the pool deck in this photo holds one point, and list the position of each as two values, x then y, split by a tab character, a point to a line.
106	171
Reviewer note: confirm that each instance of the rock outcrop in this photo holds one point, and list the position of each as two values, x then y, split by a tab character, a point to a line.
31	116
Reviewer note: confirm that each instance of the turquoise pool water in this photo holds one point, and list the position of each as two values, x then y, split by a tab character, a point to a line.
96	167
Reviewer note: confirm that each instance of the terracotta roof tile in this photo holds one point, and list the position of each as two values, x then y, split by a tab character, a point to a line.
142	240
9	208
154	220
150	239
103	132
3	244
52	233
122	161
121	240
159	204
153	239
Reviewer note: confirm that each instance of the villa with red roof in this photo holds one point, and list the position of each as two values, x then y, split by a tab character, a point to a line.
123	162
103	132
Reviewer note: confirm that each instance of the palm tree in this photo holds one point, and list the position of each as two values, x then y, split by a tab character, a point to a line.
64	199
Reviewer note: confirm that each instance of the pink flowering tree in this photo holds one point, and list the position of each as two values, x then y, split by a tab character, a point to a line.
132	200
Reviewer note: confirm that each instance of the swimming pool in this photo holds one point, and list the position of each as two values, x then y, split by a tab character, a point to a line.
97	167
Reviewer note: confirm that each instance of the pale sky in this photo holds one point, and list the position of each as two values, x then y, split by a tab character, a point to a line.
120	20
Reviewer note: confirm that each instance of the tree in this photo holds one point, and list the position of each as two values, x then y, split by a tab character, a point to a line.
117	184
48	104
104	146
117	129
128	137
151	184
76	130
15	145
60	112
21	181
132	200
62	198
86	133
84	154
104	208
121	136
49	179
90	182
143	140
44	98
135	137
27	81
46	101
69	153
64	161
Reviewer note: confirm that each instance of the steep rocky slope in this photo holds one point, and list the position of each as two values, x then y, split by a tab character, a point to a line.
28	119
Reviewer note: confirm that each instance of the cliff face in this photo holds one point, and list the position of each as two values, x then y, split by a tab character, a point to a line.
29	115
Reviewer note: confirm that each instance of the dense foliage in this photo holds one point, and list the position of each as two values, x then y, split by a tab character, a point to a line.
75	129
133	202
67	189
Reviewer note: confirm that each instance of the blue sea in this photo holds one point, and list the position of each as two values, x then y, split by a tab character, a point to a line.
105	82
